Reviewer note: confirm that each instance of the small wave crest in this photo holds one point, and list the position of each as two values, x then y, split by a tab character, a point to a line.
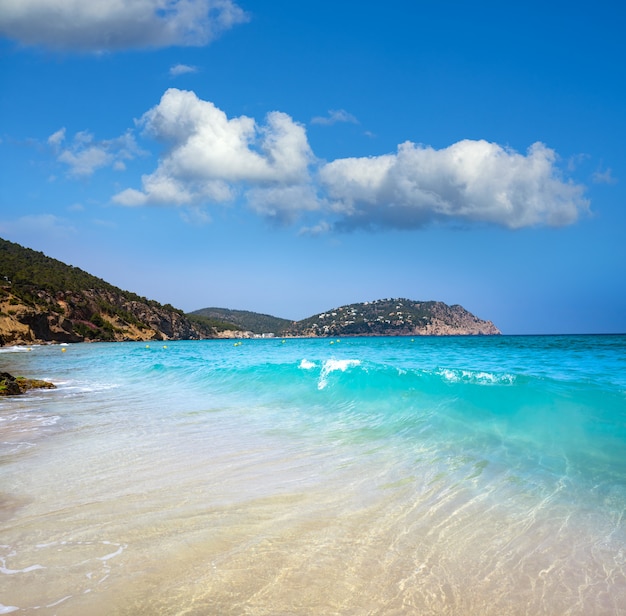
442	375
475	377
17	349
13	349
335	365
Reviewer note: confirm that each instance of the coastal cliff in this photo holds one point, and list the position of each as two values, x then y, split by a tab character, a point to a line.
93	314
45	300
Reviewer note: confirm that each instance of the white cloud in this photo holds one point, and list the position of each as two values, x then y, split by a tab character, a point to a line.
604	177
100	25
334	116
284	203
469	181
57	138
131	198
182	69
85	160
84	155
210	158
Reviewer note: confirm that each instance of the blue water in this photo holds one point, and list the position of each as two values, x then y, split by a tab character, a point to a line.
348	476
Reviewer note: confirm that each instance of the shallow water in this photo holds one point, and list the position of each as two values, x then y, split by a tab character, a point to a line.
353	476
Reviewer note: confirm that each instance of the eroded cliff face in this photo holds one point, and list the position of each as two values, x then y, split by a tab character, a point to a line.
455	321
94	315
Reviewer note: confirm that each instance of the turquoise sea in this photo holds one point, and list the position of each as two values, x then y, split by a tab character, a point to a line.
311	476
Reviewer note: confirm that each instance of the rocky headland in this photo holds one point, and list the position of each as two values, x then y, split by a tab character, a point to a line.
395	317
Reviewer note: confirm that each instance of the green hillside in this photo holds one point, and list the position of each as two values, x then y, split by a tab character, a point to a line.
383	317
244	320
45	300
29	271
393	317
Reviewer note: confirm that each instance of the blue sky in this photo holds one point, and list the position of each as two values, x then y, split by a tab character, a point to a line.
291	157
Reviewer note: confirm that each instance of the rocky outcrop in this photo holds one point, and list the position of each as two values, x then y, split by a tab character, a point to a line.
14	386
91	315
455	321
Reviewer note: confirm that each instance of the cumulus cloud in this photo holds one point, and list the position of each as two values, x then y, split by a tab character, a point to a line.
210	158
469	181
99	25
84	155
284	203
334	116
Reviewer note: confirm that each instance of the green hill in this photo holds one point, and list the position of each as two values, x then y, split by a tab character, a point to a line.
245	320
393	317
383	317
43	299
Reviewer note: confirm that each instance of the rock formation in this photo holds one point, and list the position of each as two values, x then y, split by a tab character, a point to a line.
14	386
394	317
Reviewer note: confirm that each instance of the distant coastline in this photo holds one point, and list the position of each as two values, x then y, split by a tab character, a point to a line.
43	300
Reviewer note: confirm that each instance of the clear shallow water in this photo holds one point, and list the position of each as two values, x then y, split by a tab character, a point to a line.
366	476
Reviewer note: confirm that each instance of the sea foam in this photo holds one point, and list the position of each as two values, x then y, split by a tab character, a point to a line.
335	365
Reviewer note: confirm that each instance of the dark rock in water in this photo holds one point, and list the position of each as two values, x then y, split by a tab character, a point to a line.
13	386
8	385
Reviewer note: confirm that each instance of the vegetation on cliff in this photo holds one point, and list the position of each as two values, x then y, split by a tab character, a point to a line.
244	320
42	299
384	317
393	317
